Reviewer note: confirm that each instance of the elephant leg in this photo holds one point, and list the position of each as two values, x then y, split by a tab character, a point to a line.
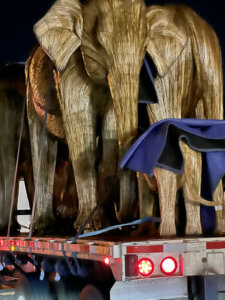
65	199
44	220
147	188
167	189
26	167
108	182
79	119
192	187
128	197
7	167
209	89
193	225
10	116
27	174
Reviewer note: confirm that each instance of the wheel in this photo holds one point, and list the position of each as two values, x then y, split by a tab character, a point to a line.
31	288
90	292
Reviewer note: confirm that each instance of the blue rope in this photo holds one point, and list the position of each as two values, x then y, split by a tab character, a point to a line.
77	269
136	222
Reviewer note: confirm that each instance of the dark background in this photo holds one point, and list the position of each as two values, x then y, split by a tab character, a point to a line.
18	17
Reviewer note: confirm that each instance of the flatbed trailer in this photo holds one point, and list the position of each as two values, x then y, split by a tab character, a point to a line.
170	268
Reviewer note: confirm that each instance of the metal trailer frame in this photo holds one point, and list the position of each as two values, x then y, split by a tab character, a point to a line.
200	264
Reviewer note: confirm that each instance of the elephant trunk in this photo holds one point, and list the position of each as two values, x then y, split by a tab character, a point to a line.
124	90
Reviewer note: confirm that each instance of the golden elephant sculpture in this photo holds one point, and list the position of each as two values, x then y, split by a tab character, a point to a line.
55	197
14	144
101	45
42	84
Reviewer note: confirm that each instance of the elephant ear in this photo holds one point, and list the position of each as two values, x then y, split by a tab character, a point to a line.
59	31
166	41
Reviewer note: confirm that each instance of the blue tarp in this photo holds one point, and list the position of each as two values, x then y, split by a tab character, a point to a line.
159	147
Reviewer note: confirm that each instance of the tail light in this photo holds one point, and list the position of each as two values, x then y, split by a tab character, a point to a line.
107	260
168	265
145	267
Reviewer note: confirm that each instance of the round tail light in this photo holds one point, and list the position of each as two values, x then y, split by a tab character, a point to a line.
145	267
168	265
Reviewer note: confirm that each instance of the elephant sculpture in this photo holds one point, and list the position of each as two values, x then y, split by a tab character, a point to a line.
55	186
12	101
43	82
98	50
61	202
196	93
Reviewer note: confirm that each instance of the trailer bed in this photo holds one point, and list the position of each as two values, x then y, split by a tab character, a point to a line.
194	256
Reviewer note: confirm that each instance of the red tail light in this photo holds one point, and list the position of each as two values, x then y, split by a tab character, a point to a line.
107	260
168	265
145	267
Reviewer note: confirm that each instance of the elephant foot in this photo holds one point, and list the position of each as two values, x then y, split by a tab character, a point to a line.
65	212
193	228
79	223
65	227
149	230
220	226
44	226
98	221
167	228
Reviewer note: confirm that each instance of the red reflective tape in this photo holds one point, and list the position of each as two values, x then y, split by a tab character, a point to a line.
4	248
145	249
22	243
83	248
3	242
31	244
54	246
215	245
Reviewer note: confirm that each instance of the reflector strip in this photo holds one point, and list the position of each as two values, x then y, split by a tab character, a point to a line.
85	249
145	249
215	245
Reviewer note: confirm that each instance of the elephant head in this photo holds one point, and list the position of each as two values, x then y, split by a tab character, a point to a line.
114	36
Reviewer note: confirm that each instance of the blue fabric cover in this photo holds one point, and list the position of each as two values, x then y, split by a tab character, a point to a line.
159	147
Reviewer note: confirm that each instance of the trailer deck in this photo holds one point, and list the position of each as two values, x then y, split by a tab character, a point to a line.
193	256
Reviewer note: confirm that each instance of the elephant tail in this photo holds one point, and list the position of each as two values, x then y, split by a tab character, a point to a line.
193	197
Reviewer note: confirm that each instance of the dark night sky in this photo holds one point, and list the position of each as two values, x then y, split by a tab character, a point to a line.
18	17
